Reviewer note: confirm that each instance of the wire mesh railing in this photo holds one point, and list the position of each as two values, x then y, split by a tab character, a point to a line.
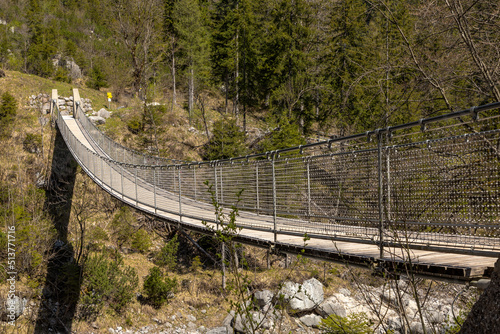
115	150
432	184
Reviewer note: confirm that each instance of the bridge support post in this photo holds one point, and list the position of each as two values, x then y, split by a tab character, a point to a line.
76	101
216	194
121	181
194	182
53	105
268	257
223	263
257	204
274	196
308	191
135	182
154	186
380	196
180	195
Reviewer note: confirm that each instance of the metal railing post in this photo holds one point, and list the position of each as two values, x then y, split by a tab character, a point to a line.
136	198
216	195
121	170
102	171
380	196
110	178
257	187
274	196
221	186
308	190
194	182
154	186
180	196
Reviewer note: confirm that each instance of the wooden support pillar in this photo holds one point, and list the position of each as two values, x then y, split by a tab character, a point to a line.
268	258
223	263
76	100
53	102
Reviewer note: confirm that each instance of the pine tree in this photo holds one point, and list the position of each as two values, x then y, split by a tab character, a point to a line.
192	40
350	58
170	37
289	53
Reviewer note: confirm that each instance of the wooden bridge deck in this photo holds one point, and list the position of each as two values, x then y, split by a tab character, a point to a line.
258	229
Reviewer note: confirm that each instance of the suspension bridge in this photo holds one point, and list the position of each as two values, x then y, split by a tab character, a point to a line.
421	197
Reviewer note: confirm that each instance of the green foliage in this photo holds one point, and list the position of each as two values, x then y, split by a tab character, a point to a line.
157	288
97	79
195	264
32	142
287	134
141	241
167	256
62	75
8	111
106	281
135	125
34	231
353	324
99	234
122	226
228	141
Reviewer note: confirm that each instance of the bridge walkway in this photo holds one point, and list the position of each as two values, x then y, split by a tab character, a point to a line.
200	216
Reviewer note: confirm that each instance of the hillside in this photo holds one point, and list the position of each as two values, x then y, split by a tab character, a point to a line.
82	261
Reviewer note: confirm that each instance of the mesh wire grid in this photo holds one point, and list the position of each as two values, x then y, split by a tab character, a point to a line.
430	185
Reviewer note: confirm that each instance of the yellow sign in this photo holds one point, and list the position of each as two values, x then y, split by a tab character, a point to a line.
110	96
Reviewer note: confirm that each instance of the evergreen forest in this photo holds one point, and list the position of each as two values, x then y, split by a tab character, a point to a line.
326	67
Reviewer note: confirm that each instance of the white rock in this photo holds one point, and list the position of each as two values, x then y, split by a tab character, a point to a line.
311	320
331	306
303	297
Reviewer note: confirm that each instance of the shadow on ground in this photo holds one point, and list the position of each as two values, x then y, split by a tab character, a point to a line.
62	283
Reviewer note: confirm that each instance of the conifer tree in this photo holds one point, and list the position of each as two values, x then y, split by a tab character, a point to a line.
192	40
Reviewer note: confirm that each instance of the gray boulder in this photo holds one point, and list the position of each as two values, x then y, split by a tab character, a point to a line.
219	330
103	113
263	298
331	306
97	119
305	297
311	320
242	324
12	308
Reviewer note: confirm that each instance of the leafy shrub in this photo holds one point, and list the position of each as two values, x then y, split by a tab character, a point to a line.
122	225
106	281
285	135
97	79
8	105
228	141
158	289
195	264
141	241
32	142
135	125
8	111
353	324
62	75
167	256
99	234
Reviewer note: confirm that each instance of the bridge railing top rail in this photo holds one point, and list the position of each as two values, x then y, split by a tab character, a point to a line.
107	144
357	142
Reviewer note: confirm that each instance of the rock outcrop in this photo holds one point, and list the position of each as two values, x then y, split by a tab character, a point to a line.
485	314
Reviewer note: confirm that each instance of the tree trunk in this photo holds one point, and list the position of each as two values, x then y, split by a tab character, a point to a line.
191	93
174	94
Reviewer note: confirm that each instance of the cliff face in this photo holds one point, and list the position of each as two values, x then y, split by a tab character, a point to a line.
485	314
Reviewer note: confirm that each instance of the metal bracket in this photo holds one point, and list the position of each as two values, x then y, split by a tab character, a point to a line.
422	125
475	114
